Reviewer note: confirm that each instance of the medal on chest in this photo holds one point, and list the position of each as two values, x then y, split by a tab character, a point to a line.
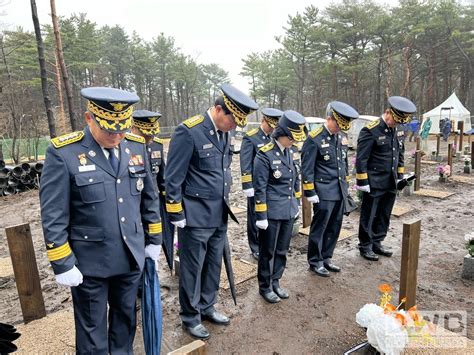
277	174
140	184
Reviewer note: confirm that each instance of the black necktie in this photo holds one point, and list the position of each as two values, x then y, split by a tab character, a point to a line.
221	138
114	162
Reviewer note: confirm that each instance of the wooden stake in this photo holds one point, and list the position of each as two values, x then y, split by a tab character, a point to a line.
26	273
461	135
417	170
450	157
409	266
307	213
418	143
438	144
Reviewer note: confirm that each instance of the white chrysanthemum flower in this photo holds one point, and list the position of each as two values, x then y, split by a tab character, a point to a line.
387	335
368	313
468	237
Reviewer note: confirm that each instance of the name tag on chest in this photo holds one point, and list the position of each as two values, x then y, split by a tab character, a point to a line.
207	146
84	168
276	162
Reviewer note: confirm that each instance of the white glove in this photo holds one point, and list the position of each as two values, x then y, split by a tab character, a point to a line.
70	278
249	192
153	251
179	224
365	188
313	199
262	224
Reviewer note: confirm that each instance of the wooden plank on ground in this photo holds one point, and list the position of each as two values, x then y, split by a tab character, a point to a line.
430	162
344	234
197	347
463	179
243	271
400	210
433	193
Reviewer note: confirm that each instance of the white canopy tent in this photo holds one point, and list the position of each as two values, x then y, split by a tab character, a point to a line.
451	108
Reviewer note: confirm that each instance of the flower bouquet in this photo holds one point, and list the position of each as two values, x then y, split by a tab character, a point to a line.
389	328
444	171
468	265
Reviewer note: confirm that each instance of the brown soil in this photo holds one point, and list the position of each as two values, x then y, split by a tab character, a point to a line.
319	317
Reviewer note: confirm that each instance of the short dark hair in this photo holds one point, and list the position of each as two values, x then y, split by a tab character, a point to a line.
220	102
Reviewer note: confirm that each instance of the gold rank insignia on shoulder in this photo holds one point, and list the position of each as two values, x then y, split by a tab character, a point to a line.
193	121
158	140
134	137
252	132
267	147
315	132
66	139
373	124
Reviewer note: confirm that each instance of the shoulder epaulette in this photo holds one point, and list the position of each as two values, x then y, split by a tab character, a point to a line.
158	140
315	132
134	137
193	121
267	147
66	139
373	124
252	132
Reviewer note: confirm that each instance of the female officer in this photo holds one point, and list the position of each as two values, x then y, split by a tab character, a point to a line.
277	193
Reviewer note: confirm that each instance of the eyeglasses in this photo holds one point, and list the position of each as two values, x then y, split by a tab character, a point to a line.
291	138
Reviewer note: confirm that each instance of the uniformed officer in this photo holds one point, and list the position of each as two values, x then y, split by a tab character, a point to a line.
99	209
252	142
325	177
146	124
380	165
277	193
197	192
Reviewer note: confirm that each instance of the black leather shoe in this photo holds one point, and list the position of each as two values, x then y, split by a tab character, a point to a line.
280	292
270	297
255	256
369	255
198	332
216	318
382	251
320	271
332	267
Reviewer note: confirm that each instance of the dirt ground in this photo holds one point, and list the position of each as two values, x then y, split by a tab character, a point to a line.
319	316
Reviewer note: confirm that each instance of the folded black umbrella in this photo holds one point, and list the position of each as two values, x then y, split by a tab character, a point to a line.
229	270
151	309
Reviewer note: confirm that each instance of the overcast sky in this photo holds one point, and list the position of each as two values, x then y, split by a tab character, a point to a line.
211	31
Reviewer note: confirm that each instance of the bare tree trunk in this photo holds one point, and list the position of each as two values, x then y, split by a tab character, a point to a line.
378	85
406	62
42	64
67	85
431	78
62	114
388	87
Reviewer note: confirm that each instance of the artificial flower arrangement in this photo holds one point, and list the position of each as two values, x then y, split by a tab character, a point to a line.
469	238
389	328
443	170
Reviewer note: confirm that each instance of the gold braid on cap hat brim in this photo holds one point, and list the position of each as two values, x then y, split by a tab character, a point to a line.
272	122
109	120
398	118
240	117
298	134
342	123
146	128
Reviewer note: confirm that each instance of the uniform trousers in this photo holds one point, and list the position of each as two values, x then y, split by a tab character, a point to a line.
274	243
324	232
375	218
252	230
200	257
90	300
